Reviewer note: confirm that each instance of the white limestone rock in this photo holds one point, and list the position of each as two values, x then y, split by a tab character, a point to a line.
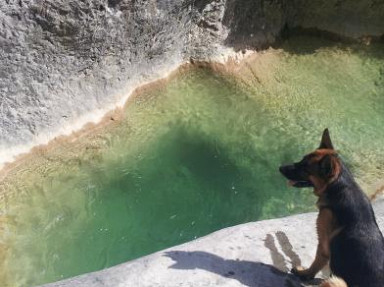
257	254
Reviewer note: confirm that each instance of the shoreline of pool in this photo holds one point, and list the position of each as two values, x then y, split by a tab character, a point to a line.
252	254
12	156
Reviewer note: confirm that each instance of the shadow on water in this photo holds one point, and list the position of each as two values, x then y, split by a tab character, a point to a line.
248	273
184	187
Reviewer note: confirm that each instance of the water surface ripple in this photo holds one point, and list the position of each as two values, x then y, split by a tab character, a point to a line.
191	155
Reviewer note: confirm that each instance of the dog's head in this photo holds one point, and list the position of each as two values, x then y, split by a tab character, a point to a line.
317	169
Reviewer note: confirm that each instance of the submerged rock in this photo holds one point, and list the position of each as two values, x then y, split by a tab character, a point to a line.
258	254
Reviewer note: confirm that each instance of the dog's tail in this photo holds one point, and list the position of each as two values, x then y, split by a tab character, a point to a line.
334	282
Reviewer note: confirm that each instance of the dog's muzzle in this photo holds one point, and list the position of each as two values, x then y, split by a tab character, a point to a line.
296	177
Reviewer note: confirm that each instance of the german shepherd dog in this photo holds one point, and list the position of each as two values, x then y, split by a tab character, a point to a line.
349	238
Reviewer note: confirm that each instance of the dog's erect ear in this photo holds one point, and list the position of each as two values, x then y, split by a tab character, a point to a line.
328	166
326	141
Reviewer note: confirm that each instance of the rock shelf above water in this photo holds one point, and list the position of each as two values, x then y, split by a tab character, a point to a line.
257	254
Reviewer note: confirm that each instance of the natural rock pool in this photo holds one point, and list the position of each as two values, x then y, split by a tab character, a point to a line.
189	155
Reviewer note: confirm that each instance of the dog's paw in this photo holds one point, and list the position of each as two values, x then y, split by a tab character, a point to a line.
303	273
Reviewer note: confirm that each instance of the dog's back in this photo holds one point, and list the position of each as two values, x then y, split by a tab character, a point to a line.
357	252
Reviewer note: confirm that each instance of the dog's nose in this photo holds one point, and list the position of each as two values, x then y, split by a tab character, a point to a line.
282	168
286	170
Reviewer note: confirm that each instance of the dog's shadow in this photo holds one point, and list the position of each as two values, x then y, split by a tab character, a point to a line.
248	273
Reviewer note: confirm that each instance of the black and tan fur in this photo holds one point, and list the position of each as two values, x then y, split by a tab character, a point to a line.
349	237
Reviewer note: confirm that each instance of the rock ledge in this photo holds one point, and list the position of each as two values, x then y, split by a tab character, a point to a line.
257	254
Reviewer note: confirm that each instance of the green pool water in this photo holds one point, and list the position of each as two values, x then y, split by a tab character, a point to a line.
191	156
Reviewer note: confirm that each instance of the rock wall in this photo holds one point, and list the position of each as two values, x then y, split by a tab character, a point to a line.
348	18
258	254
66	62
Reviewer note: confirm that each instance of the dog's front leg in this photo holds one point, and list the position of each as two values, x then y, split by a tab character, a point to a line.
325	226
320	261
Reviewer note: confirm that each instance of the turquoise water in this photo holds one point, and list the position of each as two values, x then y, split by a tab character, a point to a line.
190	156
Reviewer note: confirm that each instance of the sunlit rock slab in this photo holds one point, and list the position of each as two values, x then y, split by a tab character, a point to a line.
253	254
